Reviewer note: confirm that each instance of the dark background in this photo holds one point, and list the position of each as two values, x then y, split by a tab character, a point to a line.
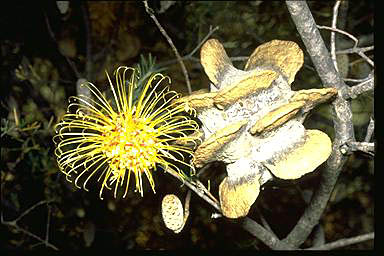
36	81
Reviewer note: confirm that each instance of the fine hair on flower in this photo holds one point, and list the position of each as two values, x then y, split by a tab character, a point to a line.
108	140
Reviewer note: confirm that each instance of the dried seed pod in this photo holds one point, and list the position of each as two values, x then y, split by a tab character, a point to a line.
285	55
237	199
313	97
272	139
247	84
206	151
276	117
172	213
214	60
198	99
304	158
303	100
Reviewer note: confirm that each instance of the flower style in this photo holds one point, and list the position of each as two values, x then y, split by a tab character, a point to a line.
114	139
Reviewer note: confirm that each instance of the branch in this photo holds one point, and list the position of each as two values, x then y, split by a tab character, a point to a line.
186	206
353	80
27	211
370	129
206	191
203	169
319	236
185	72
365	57
13	223
53	37
250	225
333	41
195	189
341	32
356	50
343	126
211	31
48	223
264	235
356	90
189	56
265	223
194	59
366	147
344	242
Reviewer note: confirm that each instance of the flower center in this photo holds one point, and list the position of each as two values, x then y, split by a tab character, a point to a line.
130	144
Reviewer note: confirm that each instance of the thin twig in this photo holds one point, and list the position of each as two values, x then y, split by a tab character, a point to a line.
352	80
370	129
318	230
203	169
366	147
194	59
88	40
250	225
47	227
198	191
29	210
362	54
269	239
239	58
185	72
265	223
52	35
356	90
173	61
366	58
210	32
364	85
189	56
333	41
341	32
344	132
186	206
344	242
17	227
48	223
206	191
13	223
356	50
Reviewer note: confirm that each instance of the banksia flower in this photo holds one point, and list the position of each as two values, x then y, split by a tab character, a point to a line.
129	135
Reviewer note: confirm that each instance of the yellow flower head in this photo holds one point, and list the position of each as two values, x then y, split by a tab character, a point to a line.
113	139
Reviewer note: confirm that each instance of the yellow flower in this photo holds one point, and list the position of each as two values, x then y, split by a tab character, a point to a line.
113	140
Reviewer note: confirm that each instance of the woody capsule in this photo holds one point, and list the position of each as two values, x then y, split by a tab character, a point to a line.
252	121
